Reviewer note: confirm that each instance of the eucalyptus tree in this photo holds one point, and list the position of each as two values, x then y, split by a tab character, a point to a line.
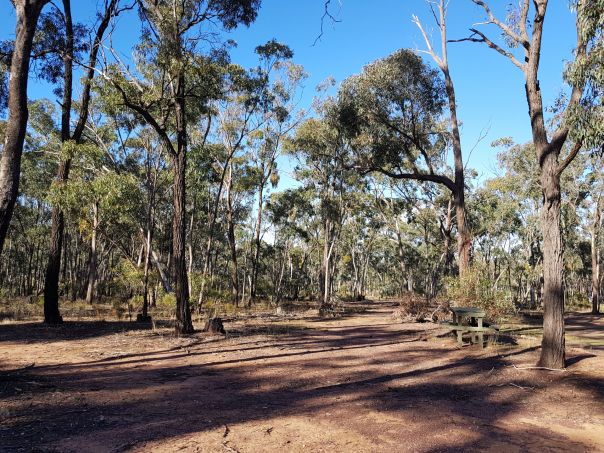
320	145
521	32
256	104
27	14
464	235
392	114
266	147
173	86
65	47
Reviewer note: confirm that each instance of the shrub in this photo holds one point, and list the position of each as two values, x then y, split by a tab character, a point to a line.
476	289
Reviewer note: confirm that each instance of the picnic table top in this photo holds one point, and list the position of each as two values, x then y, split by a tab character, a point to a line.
474	311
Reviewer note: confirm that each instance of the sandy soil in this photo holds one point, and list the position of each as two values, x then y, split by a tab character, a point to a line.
354	384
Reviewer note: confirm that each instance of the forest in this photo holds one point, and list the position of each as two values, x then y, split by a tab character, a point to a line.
204	254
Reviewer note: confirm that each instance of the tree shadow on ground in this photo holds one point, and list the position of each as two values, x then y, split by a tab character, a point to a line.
69	330
462	402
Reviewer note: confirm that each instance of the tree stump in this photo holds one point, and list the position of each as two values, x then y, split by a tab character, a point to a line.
143	319
214	325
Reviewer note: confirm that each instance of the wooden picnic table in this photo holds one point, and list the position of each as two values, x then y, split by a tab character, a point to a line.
468	319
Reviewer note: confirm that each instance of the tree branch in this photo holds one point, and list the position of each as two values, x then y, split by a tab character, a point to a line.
571	156
496	47
507	30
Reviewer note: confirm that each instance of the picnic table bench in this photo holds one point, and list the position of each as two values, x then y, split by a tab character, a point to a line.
469	319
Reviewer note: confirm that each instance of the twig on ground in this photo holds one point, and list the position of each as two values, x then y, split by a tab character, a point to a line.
513	385
562	370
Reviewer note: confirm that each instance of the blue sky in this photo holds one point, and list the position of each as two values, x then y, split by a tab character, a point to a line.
490	91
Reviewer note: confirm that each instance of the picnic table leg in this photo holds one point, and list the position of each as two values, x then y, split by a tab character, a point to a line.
459	338
480	333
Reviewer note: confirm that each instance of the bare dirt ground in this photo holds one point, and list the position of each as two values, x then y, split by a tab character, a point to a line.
354	384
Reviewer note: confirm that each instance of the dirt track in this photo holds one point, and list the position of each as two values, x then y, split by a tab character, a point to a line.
360	383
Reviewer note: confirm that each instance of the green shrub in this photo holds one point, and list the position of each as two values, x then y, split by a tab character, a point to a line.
476	289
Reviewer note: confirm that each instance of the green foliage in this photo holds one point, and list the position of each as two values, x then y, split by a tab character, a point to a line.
477	289
586	120
392	110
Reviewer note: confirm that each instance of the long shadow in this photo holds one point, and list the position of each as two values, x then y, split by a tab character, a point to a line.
120	404
208	397
70	330
325	345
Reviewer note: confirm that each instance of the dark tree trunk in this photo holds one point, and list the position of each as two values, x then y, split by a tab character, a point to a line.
234	271
27	12
51	281
184	323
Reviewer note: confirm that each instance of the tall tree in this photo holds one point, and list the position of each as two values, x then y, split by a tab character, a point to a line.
176	87
67	52
526	34
28	12
464	235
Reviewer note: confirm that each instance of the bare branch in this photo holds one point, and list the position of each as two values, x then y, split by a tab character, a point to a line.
430	50
422	177
507	30
496	47
326	15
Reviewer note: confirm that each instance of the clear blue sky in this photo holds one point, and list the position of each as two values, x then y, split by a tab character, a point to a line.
490	90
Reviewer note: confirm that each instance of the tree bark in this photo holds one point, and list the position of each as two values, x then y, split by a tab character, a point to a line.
27	12
92	265
234	271
553	343
184	323
464	235
595	262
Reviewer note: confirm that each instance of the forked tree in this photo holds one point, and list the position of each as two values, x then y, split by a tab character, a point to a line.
523	33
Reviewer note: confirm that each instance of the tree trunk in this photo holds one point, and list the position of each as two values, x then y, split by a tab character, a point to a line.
92	265
464	235
184	323
51	282
553	343
27	12
595	262
326	271
234	271
256	261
